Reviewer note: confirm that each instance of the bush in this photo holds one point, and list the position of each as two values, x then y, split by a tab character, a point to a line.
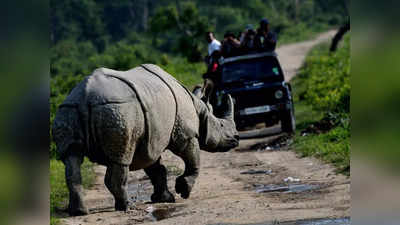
327	78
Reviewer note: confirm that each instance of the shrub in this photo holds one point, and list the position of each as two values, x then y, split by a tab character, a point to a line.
327	78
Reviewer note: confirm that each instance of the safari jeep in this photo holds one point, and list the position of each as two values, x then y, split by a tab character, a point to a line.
259	91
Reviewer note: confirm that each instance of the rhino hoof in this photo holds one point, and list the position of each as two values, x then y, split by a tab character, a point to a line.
121	206
182	187
166	196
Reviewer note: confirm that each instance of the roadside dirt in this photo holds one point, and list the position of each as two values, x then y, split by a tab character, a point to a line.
228	190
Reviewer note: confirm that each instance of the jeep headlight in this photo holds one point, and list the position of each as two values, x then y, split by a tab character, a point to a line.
278	94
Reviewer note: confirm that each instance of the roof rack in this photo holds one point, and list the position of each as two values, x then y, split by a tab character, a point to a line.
248	56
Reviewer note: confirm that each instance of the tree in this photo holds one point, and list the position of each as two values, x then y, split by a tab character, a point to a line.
74	19
338	36
185	22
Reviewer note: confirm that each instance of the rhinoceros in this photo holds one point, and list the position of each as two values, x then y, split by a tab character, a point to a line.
124	120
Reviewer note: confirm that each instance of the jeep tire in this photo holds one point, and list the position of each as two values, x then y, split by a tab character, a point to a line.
288	122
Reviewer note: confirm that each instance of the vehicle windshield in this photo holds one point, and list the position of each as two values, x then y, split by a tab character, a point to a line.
251	69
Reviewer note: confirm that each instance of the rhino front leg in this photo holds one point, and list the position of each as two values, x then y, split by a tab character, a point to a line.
190	154
73	178
116	181
158	176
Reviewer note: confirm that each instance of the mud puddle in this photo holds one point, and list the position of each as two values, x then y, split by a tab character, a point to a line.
140	200
251	171
292	188
139	192
341	221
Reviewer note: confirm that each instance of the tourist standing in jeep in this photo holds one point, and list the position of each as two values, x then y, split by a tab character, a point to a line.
265	40
213	46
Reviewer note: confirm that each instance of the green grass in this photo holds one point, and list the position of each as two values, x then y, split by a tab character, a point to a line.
334	145
58	188
305	115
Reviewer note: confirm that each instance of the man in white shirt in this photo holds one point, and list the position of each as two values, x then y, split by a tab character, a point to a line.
214	52
213	44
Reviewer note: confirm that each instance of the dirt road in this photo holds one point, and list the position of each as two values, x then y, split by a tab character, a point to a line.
243	186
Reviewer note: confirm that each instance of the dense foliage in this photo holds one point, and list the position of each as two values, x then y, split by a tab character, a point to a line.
86	34
101	21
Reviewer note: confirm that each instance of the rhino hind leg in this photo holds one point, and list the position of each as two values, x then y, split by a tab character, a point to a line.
190	154
116	180
158	176
76	206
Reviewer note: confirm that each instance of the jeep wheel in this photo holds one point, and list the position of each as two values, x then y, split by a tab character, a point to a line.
288	122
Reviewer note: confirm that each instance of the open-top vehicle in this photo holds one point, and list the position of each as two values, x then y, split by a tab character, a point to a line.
257	85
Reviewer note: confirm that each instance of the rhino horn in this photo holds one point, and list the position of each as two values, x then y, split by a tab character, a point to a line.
228	113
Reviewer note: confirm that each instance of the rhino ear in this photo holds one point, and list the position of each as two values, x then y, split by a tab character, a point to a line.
228	108
198	92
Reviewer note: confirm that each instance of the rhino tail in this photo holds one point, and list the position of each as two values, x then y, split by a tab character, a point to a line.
67	132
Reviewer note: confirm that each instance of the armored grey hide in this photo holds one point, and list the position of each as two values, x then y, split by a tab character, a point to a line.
152	103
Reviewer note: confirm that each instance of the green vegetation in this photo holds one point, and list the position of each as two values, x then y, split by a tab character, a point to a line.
122	34
58	188
189	74
332	147
322	101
